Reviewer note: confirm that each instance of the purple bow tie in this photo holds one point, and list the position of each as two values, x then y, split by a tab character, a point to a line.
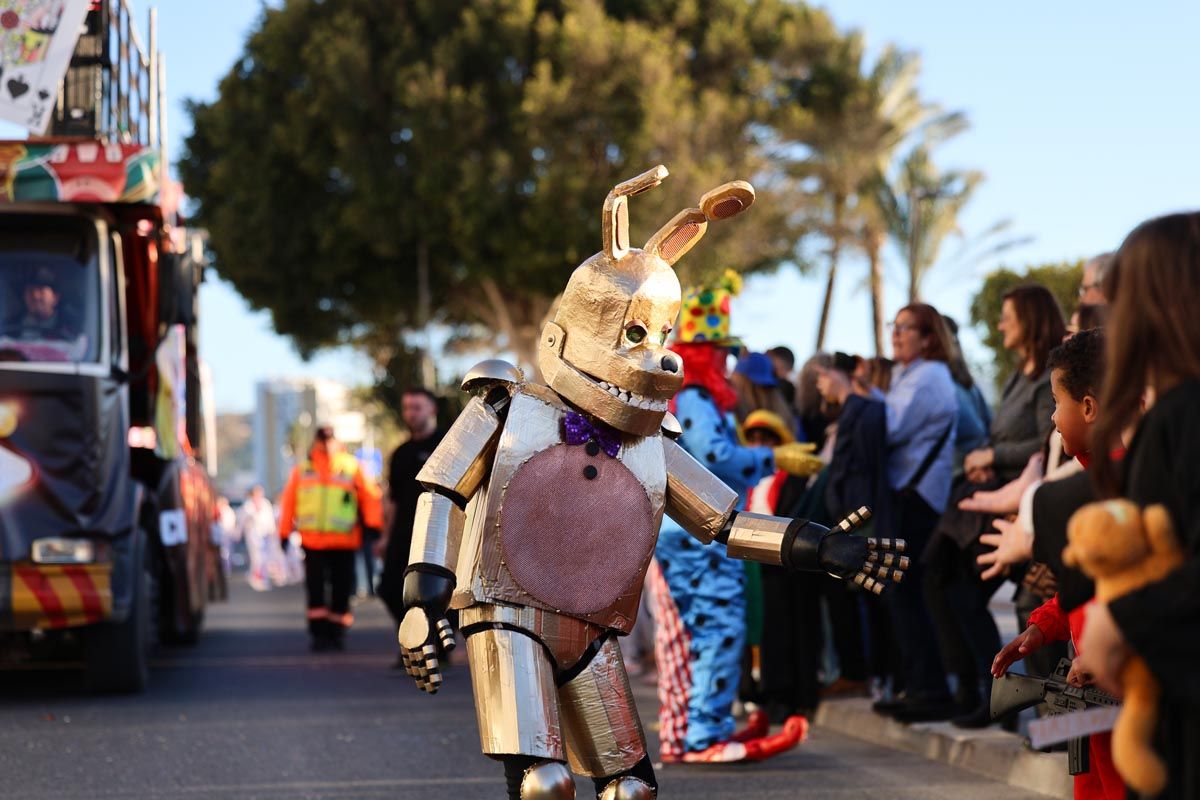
578	429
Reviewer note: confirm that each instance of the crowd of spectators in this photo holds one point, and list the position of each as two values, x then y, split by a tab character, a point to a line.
1100	403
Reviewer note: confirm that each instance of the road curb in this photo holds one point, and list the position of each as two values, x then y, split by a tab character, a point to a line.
995	753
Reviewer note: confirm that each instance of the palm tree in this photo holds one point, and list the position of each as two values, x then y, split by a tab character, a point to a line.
921	209
874	219
857	120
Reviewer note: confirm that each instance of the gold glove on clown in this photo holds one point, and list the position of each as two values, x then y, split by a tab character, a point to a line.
544	503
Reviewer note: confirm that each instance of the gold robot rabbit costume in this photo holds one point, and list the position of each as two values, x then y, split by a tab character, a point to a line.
543	504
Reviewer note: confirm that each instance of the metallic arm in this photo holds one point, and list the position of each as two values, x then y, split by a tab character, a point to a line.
803	545
451	476
703	506
698	500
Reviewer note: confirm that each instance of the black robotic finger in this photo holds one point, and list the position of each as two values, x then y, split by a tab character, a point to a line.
887	559
867	582
854	520
885	573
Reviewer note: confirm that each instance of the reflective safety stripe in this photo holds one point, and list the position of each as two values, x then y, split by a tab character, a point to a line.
318	613
328	506
57	596
345	620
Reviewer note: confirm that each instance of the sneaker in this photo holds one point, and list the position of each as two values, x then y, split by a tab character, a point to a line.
926	709
887	706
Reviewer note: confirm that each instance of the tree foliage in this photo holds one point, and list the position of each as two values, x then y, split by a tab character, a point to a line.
1061	278
355	142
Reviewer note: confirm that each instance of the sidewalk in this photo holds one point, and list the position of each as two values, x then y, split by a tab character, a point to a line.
991	752
998	754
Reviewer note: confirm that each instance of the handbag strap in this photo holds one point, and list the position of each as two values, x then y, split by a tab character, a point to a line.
930	457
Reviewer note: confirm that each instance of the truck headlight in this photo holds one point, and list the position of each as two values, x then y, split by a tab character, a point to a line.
15	474
63	551
8	419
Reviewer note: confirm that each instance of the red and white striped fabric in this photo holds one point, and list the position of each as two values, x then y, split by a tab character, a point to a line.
672	652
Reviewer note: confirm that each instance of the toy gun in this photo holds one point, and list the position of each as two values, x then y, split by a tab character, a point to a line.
1016	692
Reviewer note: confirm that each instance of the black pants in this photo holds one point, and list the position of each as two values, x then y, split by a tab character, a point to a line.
329	579
368	555
883	653
846	618
958	602
793	636
395	561
792	639
921	662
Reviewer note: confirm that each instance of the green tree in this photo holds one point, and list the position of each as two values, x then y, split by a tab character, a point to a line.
1061	278
369	167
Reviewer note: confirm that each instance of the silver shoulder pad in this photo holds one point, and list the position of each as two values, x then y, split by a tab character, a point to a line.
486	375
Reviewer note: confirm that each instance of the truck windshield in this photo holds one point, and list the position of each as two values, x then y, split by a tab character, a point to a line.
50	309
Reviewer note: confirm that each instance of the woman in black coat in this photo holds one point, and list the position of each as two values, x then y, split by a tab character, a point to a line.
1154	356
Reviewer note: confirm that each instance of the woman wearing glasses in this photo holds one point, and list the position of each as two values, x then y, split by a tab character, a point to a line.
921	410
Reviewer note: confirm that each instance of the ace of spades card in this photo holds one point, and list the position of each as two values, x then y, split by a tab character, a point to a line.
37	38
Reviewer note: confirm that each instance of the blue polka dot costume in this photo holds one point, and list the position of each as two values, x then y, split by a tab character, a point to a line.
706	587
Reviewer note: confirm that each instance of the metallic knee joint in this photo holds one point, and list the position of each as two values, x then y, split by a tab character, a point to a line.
548	780
627	787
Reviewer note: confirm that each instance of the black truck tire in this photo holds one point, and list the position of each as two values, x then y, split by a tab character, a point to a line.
117	654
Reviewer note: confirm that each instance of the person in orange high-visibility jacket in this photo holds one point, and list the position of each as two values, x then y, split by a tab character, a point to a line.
329	501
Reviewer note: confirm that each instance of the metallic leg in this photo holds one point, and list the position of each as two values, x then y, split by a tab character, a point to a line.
604	734
515	696
548	780
627	787
638	783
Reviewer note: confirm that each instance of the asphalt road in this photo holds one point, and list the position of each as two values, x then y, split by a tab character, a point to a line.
250	713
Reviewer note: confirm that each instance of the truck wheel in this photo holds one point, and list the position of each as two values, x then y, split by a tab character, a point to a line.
116	654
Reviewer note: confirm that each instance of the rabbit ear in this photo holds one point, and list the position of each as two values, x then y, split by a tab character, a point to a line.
679	235
616	210
727	200
688	227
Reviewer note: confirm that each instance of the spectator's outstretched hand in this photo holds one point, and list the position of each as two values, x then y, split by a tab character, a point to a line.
1007	498
1013	546
1028	642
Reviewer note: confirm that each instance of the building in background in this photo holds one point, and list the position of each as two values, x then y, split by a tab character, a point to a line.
287	410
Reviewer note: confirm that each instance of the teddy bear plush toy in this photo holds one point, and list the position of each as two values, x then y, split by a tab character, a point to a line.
1123	548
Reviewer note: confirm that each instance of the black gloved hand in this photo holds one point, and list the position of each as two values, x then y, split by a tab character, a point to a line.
868	561
428	587
427	591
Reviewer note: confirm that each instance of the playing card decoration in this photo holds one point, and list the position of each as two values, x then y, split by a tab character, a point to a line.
37	38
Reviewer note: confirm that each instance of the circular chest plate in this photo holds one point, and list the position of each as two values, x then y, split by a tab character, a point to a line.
576	528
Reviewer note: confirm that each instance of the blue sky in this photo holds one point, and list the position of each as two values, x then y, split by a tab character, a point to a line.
1084	118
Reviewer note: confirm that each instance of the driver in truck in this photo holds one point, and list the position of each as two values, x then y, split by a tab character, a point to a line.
43	319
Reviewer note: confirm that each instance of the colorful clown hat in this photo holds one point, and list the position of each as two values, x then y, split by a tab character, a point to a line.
704	316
